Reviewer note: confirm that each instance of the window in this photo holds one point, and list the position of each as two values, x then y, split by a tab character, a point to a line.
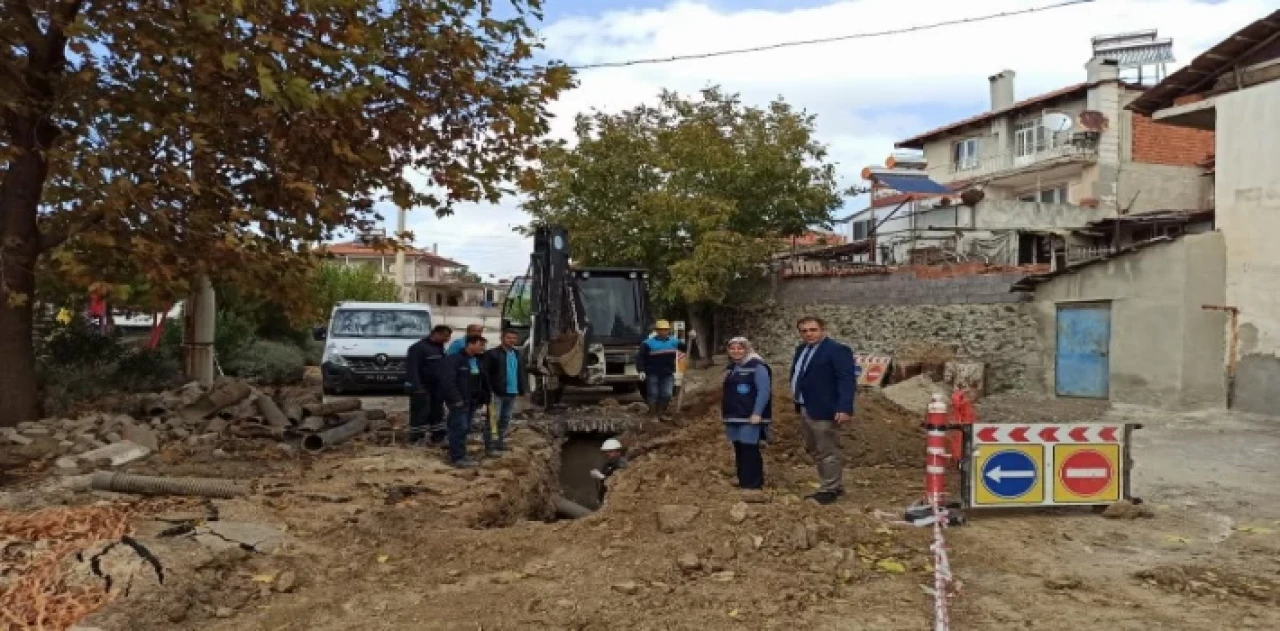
615	308
861	229
1055	195
1030	138
964	154
369	323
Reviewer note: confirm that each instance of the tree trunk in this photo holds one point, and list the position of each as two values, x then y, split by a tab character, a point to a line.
19	249
700	322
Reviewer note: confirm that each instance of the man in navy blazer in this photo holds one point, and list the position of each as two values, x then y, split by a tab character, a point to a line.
823	383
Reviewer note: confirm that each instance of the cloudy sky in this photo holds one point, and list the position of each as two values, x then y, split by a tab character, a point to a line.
866	93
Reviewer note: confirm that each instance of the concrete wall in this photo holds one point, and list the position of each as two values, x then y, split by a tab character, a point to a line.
998	215
1165	350
1161	187
1248	214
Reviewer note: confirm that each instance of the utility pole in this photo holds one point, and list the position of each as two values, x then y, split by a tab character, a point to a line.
199	320
400	229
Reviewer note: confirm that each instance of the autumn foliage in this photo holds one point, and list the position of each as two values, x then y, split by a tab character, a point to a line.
146	143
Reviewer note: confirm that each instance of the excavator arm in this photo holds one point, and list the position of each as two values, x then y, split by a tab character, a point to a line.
558	328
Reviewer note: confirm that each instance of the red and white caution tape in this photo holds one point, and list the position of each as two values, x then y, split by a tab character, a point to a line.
941	572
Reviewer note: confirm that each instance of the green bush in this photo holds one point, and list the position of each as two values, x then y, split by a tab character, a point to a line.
268	362
79	364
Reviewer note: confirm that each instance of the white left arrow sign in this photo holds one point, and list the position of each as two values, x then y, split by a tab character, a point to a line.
997	474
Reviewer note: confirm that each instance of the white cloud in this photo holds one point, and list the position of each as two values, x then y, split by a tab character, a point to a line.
866	93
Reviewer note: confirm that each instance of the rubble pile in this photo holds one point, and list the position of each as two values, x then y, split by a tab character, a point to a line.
191	414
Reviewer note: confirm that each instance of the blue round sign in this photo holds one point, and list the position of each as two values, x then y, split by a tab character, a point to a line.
743	388
1009	474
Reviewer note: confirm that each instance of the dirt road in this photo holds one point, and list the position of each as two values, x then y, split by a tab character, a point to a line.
383	537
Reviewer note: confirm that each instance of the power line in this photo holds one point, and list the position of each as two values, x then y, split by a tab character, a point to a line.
827	40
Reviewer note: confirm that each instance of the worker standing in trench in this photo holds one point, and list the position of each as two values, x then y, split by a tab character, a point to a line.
657	360
613	460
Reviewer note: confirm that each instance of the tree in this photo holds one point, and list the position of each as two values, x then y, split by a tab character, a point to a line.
696	190
153	142
335	283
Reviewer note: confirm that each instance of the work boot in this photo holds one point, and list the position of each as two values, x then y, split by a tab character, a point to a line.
663	415
653	412
465	463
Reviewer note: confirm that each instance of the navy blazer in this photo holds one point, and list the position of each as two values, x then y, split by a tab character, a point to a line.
828	383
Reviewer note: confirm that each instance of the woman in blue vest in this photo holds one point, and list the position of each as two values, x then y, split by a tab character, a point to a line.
747	409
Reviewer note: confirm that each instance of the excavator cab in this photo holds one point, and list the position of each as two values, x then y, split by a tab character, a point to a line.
578	327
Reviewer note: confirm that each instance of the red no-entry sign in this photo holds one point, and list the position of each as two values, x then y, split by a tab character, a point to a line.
1086	473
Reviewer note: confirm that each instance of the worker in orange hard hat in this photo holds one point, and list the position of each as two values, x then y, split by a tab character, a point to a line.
657	360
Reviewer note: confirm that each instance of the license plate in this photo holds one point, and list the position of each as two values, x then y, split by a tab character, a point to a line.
382	378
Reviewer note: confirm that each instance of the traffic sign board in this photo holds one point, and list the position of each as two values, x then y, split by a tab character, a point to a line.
1086	474
872	369
1008	474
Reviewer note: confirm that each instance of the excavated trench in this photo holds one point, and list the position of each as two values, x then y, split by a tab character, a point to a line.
579	454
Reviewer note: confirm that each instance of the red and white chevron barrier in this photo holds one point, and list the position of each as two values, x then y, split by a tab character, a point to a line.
1048	434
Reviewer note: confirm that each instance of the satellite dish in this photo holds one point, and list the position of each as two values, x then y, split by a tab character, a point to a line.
1056	121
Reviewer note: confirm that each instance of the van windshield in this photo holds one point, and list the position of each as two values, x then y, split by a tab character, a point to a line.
371	323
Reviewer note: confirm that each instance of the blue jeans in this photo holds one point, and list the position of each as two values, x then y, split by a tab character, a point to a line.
495	432
459	425
659	387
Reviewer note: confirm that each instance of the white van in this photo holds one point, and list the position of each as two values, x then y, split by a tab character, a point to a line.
366	344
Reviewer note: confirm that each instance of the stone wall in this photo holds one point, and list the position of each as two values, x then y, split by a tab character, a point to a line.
899	289
1001	335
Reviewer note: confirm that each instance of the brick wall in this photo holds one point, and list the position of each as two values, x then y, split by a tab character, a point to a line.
1156	143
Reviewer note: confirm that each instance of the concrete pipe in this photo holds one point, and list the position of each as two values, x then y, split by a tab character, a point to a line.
570	510
332	408
338	435
150	485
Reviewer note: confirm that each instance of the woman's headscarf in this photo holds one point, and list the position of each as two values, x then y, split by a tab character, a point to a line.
751	352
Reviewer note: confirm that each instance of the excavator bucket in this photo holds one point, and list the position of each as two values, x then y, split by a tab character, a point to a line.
569	352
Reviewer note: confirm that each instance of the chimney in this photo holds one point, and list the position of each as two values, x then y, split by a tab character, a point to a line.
1100	69
435	248
1001	89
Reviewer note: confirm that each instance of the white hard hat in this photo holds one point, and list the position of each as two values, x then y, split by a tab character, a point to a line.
611	445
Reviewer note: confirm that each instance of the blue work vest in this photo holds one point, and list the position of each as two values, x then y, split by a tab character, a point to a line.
739	399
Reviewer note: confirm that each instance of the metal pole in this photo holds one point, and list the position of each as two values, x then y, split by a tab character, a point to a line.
400	230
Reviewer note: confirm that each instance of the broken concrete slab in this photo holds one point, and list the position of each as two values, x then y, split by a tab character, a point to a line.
247	535
11	435
117	454
141	435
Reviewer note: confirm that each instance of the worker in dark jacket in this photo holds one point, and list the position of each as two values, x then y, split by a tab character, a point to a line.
613	461
426	408
657	360
505	379
458	386
747	411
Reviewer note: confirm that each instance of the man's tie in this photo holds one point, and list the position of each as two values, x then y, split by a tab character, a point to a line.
801	366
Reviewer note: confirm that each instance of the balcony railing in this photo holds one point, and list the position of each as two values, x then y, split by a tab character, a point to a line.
1082	148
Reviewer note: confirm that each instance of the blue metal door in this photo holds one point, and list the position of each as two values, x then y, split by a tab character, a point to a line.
1084	339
